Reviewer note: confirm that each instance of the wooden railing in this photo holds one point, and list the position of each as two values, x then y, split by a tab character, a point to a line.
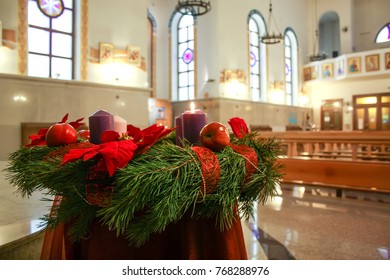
357	160
354	145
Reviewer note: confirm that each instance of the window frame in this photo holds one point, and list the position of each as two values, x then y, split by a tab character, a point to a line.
50	29
152	24
190	73
174	56
383	29
291	86
260	74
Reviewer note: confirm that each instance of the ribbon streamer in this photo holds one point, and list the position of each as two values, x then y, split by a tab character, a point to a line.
211	171
250	155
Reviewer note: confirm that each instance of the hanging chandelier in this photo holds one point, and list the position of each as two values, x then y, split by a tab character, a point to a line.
273	38
193	7
316	56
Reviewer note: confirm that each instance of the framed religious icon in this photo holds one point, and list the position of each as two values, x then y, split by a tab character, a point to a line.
240	76
134	55
227	75
106	53
307	73
354	65
340	67
327	70
387	60
372	62
314	72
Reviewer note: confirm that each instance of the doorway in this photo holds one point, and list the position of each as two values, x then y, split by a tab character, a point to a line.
332	114
329	34
371	112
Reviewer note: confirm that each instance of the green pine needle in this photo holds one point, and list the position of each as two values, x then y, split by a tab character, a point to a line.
154	190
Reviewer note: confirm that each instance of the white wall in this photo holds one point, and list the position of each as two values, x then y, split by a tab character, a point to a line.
223	43
8	59
9	20
25	99
9	14
222	37
345	13
344	90
121	23
347	85
369	17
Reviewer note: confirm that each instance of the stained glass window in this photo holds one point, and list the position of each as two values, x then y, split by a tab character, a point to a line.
291	66
51	8
257	60
185	59
50	38
383	34
288	72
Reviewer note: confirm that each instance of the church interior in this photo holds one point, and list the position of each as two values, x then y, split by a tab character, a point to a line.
314	74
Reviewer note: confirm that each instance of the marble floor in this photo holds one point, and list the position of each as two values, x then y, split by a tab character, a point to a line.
302	222
309	223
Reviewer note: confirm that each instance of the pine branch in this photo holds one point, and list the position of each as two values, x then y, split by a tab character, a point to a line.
155	189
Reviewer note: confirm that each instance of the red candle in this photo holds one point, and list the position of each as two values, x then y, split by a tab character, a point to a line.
193	122
99	122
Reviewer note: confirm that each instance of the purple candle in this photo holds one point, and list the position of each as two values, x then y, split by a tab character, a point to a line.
193	122
179	130
120	125
99	122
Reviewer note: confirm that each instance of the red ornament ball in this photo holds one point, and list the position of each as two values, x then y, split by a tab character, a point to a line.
61	134
215	136
85	134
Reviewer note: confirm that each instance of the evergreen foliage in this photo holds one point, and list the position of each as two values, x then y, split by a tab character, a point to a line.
155	189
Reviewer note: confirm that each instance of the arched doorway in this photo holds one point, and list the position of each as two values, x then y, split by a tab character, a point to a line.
329	34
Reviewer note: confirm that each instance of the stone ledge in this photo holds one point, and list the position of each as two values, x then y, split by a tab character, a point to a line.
26	248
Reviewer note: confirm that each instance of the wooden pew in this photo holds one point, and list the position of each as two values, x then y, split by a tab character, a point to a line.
362	175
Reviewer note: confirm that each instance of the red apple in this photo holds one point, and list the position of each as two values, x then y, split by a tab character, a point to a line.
214	136
60	134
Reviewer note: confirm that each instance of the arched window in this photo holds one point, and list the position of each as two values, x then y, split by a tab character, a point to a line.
291	66
151	59
50	38
383	34
257	57
183	57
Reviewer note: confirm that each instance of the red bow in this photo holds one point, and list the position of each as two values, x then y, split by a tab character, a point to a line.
115	152
148	136
114	155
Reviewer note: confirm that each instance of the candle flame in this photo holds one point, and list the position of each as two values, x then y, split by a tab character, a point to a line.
192	106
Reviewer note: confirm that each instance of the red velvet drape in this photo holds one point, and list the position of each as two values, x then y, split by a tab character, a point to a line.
188	239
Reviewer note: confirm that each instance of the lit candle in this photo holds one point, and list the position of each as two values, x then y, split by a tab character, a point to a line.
179	130
193	122
99	122
120	125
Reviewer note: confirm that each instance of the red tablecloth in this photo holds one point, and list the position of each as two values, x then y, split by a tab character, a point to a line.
188	239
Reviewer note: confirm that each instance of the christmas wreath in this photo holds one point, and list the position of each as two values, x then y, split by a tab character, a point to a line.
139	182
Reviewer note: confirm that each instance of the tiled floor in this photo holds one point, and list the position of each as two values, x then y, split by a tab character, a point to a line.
18	216
307	223
301	223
